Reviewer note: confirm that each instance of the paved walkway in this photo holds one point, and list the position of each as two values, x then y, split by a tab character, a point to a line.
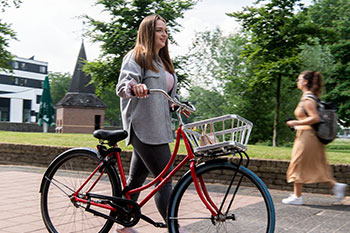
20	207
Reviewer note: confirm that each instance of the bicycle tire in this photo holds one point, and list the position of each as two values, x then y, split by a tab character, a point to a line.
252	207
67	173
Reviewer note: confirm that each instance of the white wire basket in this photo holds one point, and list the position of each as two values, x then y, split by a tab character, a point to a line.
228	134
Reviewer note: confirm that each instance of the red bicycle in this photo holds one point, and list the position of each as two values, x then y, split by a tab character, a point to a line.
83	190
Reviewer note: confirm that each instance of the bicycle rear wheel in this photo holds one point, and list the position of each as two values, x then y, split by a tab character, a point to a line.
64	176
252	208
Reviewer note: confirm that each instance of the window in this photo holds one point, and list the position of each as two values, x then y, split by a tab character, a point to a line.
42	69
16	81
4	109
27	105
38	97
22	82
15	64
23	66
97	122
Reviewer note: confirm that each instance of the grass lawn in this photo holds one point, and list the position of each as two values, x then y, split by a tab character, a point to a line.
338	151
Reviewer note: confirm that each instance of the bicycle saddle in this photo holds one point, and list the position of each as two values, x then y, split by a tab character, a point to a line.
110	135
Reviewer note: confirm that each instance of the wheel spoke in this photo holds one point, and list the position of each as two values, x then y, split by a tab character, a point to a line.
248	212
60	213
54	181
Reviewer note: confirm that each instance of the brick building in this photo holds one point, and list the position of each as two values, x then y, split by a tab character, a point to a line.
80	110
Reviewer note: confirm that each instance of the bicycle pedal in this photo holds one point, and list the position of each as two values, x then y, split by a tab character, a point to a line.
160	225
156	224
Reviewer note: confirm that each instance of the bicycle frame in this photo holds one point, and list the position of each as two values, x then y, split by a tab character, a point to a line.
199	185
117	206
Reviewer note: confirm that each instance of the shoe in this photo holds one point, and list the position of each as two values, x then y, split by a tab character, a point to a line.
293	200
125	230
339	191
182	230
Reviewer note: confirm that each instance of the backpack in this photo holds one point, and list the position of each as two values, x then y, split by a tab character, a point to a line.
326	130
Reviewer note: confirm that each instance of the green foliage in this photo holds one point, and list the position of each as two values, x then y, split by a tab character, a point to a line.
275	37
6	34
118	35
112	113
220	82
59	84
214	58
5	3
182	76
334	16
209	103
316	57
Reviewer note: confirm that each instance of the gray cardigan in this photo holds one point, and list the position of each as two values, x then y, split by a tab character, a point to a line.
150	117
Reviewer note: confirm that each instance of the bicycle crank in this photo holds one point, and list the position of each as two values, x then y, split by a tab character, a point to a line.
127	212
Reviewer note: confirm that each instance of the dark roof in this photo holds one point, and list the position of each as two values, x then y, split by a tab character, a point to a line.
74	99
79	93
80	79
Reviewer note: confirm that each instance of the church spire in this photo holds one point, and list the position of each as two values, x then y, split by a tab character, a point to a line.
80	80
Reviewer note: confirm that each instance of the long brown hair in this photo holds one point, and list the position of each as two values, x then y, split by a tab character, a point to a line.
144	48
314	81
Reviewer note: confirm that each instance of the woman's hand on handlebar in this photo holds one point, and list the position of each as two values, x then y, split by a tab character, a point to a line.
184	112
140	90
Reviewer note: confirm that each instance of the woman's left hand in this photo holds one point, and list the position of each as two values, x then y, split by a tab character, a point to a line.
184	112
292	123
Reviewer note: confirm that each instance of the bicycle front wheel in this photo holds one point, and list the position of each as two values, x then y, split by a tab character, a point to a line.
64	176
251	210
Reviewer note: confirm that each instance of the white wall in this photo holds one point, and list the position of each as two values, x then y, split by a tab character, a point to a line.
16	110
20	93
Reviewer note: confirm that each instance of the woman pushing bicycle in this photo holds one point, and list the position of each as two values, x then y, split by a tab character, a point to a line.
147	119
85	190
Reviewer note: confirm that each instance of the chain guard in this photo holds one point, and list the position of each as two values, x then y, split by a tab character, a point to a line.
127	212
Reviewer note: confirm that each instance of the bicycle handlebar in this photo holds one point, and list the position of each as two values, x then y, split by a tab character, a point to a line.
182	106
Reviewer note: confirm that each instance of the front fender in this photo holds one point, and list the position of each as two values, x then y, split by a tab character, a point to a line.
59	157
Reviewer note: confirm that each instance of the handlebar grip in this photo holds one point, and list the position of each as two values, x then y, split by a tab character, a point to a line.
133	94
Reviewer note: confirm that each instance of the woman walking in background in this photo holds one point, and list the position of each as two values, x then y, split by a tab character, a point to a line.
309	163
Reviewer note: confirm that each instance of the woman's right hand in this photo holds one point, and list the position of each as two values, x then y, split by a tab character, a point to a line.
140	90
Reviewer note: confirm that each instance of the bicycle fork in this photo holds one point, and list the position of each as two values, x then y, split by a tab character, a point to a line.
216	212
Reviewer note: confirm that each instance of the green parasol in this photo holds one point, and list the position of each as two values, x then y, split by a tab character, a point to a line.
46	110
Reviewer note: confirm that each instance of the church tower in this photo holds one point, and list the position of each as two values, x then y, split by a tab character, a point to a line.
80	110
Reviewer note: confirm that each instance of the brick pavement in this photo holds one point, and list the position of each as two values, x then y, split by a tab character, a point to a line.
20	207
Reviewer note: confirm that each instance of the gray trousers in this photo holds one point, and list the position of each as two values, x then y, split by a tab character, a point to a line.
150	159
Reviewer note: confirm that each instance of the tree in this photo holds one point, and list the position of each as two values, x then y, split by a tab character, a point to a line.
6	34
334	16
220	82
209	103
316	57
112	113
5	3
118	35
59	83
275	37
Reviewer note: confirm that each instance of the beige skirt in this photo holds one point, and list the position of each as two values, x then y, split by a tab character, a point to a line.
309	163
